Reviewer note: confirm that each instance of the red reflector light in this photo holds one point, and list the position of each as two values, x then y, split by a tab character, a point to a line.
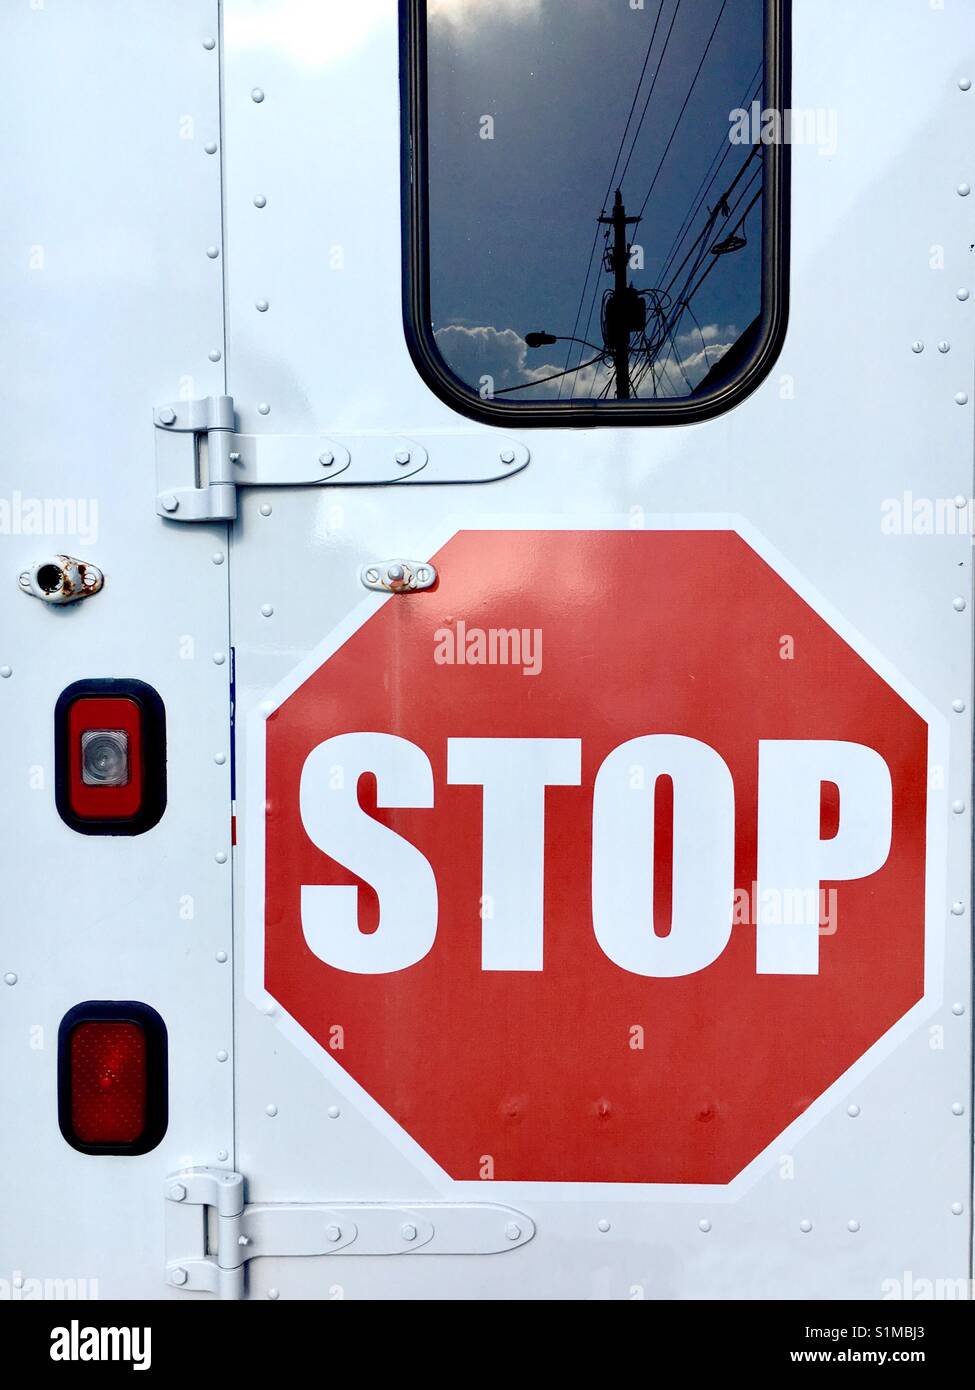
108	1083
112	1081
110	757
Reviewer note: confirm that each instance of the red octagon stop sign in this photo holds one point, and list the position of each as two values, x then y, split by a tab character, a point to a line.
599	861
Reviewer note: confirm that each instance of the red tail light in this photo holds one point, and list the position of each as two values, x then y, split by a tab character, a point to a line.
110	757
112	1077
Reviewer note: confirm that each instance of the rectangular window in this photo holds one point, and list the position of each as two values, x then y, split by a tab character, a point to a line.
596	204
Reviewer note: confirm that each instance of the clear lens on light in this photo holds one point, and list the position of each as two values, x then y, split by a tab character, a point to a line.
105	757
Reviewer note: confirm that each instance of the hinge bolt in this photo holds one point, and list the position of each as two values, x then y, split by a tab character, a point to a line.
409	1232
333	1233
326	459
403	457
177	1193
513	1231
235	457
507	455
167	416
243	1240
178	1277
169	503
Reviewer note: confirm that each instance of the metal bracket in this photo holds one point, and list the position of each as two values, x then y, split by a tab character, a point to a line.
398	576
201	460
211	1233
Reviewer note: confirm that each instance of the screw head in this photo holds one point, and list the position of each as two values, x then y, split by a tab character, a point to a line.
261	306
853	1111
958	1108
957	1208
333	1112
372	575
853	1226
917	346
257	95
167	416
603	1225
177	1193
958	1009
6	672
267	611
271	1110
259	200
209	44
333	1233
213	252
513	1231
965	83
214	354
403	457
704	1225
508	455
326	459
408	1231
222	1055
961	398
263	408
964	189
169	503
178	1277
265	509
944	345
964	294
805	1227
221	957
10	978
958	706
211	147
958	807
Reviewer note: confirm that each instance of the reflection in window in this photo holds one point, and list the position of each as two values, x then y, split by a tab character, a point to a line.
595	195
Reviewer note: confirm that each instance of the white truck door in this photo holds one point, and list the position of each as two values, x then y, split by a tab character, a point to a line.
602	795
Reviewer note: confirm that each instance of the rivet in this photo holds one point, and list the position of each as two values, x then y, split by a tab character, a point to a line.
333	1112
219	658
260	201
268	1009
961	398
273	1294
853	1226
603	1225
219	759
326	459
704	1225
169	503
222	1055
177	1193
261	306
961	501
271	1110
507	455
214	354
963	295
917	346
223	1155
178	1277
257	95
958	1108
957	1208
265	509
209	44
944	345
958	1009
333	1233
957	909
805	1227
958	807
217	557
965	83
964	189
263	408
6	672
408	1231
267	611
10	978
958	604
513	1231
221	957
213	252
403	457
221	856
853	1111
958	706
211	147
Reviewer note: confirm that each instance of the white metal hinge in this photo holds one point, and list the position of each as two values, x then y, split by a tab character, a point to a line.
201	460
212	1232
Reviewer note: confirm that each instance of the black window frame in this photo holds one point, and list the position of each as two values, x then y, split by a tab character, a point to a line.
565	413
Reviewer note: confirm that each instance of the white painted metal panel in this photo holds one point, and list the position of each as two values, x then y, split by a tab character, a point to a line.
111	306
